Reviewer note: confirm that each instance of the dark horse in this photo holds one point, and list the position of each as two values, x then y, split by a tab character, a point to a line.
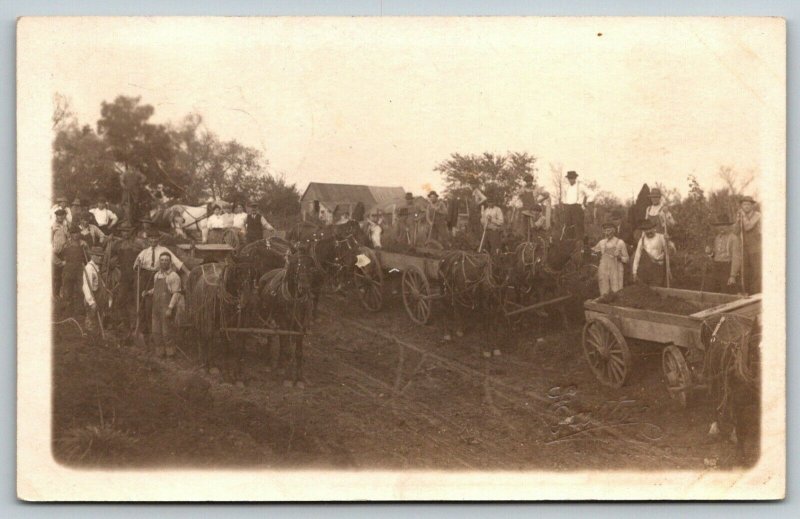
333	248
285	303
222	296
476	283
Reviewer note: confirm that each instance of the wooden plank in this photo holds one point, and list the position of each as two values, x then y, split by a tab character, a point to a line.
538	305
262	331
729	307
696	295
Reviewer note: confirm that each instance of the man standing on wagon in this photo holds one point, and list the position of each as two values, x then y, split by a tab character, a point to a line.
436	216
658	212
105	217
575	200
167	306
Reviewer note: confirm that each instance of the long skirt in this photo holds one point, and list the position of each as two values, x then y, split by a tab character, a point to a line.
216	236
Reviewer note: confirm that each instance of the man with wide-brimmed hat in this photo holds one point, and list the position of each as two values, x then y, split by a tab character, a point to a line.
613	257
436	216
405	216
726	255
649	261
658	212
748	228
94	293
574	202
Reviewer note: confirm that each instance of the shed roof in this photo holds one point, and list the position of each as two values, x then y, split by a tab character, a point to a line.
351	193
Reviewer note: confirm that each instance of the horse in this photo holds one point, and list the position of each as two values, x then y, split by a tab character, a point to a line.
285	302
195	218
222	296
475	282
732	370
334	249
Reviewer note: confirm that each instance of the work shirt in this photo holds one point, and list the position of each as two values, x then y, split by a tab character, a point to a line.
56	208
216	221
728	249
91	282
173	282
436	210
654	247
92	235
492	218
104	216
576	194
527	196
148	258
660	215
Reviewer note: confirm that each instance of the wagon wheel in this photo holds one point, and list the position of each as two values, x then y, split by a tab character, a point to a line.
416	295
369	282
679	378
606	352
433	244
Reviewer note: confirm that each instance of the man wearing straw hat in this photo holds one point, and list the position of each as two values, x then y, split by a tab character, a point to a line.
726	255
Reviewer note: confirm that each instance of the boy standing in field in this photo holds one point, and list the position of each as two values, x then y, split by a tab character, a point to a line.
613	257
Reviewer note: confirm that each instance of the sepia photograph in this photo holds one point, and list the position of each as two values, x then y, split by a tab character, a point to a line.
401	258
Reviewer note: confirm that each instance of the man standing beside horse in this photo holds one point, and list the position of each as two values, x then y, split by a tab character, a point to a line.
167	306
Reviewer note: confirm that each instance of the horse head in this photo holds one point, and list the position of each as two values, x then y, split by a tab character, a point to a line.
299	273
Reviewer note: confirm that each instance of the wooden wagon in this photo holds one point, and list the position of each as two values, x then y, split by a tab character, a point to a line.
207	252
609	327
419	273
419	284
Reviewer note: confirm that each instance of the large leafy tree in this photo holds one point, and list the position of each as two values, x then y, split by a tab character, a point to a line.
495	175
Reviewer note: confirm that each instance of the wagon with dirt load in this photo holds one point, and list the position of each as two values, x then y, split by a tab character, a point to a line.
681	322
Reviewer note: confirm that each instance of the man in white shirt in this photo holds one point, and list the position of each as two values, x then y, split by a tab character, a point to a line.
574	201
61	203
649	265
492	220
105	217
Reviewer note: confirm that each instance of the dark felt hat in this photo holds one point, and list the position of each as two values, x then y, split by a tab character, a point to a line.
655	192
571	174
527	177
61	212
609	225
61	199
433	193
748	199
409	196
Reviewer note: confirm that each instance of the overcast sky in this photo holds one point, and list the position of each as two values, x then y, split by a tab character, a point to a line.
382	101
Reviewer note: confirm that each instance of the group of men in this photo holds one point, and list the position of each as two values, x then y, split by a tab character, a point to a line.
734	257
90	246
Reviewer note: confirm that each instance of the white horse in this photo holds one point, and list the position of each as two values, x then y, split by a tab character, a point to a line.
195	218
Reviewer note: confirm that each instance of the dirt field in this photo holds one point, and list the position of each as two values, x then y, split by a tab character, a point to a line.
381	392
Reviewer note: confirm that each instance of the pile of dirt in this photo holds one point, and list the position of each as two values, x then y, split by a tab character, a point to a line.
645	298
